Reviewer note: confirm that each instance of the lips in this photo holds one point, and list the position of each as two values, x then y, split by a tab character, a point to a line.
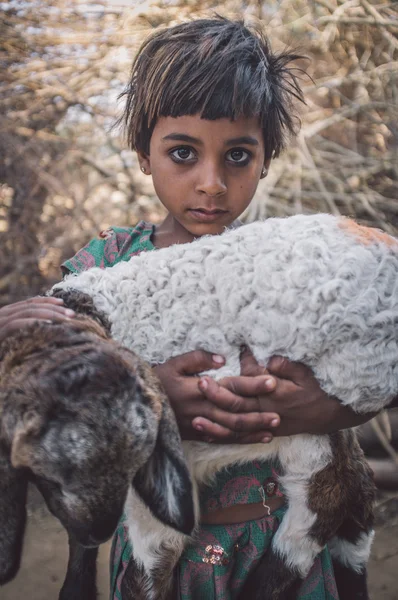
207	214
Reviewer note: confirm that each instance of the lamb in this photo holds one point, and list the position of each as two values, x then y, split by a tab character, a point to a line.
84	419
317	289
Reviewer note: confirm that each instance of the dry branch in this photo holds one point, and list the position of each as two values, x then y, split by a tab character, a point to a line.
58	99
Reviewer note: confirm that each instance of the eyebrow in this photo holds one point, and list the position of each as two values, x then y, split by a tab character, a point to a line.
183	137
244	139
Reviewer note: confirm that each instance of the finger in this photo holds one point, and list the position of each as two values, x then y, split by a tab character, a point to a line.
249	386
285	389
16	325
237	394
286	369
249	365
7	326
214	432
196	362
261	437
39	300
39	312
239	423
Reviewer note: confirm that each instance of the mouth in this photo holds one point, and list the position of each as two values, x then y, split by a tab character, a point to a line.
207	215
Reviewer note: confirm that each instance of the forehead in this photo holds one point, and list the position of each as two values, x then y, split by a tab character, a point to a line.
219	131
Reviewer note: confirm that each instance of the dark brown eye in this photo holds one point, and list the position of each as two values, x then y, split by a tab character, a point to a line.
182	154
238	156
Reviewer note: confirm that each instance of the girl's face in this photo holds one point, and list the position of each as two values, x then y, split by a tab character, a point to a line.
204	172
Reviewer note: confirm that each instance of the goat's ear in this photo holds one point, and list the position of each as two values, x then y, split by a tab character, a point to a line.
163	482
13	488
21	450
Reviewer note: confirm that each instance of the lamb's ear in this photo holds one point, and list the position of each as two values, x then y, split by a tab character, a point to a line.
163	482
13	488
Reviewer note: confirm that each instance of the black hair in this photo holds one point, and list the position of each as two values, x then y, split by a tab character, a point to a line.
216	68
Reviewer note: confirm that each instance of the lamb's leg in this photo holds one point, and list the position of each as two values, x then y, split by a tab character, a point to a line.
354	490
160	584
80	580
350	550
325	481
13	489
280	571
350	585
271	579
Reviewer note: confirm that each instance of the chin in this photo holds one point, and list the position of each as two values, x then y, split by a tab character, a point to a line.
200	229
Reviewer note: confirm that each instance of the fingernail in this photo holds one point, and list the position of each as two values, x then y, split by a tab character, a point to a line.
48	321
208	439
198	427
274	422
218	359
276	362
69	312
266	439
203	384
269	383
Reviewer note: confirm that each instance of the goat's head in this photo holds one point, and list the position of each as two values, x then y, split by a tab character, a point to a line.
85	418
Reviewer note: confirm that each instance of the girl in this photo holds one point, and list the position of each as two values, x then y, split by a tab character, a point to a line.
208	106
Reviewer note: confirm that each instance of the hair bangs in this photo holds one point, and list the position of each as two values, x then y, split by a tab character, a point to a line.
228	94
216	68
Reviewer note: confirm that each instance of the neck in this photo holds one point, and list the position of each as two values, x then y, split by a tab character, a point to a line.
170	232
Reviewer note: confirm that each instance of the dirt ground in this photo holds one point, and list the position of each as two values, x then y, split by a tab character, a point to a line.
46	552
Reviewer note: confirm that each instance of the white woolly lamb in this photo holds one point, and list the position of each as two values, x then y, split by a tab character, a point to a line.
317	289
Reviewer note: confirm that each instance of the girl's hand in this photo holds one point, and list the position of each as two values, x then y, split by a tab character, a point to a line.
41	308
180	382
295	395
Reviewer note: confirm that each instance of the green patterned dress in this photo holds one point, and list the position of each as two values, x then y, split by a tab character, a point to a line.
216	564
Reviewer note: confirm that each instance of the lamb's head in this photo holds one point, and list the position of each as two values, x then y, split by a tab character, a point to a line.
85	418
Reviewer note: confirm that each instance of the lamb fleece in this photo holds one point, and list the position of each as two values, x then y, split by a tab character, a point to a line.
306	287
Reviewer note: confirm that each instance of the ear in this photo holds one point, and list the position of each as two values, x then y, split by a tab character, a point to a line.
145	162
13	489
264	171
164	482
21	451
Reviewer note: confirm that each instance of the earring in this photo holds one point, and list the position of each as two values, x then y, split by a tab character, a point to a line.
143	169
264	172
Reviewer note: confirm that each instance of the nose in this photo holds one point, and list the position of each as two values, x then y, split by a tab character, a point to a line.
97	532
211	181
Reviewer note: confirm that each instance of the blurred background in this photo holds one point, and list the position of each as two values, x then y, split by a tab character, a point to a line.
66	172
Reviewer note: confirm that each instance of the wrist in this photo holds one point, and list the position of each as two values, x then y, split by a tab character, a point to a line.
347	418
